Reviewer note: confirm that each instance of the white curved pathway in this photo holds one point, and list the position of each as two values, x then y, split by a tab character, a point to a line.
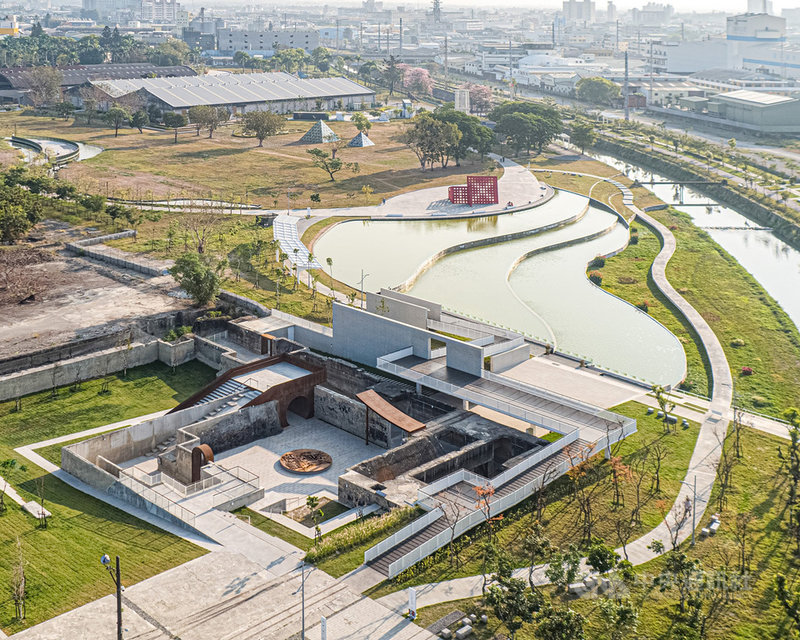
702	466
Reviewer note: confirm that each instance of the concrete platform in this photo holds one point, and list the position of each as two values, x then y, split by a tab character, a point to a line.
270	376
262	458
565	378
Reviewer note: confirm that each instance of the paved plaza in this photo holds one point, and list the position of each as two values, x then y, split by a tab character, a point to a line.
262	458
227	596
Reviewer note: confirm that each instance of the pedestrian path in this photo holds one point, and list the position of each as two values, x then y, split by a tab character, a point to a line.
702	466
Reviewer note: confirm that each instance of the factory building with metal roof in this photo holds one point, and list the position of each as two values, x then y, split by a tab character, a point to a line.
279	92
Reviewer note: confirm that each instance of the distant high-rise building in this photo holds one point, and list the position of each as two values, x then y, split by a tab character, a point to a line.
759	6
653	14
578	10
437	10
611	12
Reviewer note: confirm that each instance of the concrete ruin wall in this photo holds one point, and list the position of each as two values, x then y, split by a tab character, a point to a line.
342	376
209	352
249	339
136	440
240	302
65	351
79	467
221	433
350	415
434	309
103	363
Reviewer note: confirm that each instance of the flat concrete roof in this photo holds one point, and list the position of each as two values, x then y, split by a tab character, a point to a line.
267	377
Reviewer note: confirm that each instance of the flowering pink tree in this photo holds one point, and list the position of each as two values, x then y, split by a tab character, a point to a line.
418	80
480	97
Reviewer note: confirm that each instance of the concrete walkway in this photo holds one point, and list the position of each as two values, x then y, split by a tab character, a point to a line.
702	466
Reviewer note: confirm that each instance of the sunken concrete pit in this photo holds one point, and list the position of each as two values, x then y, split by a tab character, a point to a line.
459	440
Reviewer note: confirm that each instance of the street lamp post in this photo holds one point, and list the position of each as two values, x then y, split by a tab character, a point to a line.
115	576
693	487
364	276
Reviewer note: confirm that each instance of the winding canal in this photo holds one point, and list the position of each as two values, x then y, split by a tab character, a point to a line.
772	262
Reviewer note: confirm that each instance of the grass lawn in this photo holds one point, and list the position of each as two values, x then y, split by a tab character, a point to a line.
759	488
561	513
733	303
62	567
627	276
145	165
338	564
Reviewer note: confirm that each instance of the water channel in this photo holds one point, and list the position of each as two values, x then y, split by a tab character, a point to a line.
516	283
772	262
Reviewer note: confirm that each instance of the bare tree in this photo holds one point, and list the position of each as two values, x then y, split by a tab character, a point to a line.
624	526
40	491
741	532
201	226
724	470
452	514
18	583
658	452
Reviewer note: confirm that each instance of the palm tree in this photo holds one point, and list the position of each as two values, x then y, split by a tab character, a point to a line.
329	262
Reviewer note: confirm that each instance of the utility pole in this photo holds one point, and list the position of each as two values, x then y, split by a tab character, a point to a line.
652	67
617	35
446	76
379	37
510	72
360	37
337	35
625	90
400	48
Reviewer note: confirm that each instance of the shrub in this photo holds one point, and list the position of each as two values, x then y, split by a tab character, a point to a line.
177	333
747	371
596	277
737	342
644	306
360	533
634	239
598	263
688	385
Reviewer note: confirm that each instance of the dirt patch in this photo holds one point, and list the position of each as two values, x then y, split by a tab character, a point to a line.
82	299
22	277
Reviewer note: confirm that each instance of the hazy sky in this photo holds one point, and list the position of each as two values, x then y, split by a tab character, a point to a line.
680	5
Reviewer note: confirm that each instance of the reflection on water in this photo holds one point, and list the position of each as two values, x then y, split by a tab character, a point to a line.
547	296
772	262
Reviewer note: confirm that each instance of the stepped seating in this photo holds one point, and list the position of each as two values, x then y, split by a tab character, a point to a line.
227	388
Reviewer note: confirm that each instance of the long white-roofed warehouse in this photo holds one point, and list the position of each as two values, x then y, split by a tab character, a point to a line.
277	91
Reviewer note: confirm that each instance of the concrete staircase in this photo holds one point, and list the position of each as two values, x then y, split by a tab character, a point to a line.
227	388
382	562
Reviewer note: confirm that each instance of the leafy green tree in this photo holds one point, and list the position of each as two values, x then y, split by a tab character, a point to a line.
601	558
207	117
473	134
620	617
368	71
513	603
517	129
262	124
392	73
321	58
19	211
430	139
361	122
537	547
322	160
583	135
140	120
64	109
559	624
116	117
198	275
564	567
597	90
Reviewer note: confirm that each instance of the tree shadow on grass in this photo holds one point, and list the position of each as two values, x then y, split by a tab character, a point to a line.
208	154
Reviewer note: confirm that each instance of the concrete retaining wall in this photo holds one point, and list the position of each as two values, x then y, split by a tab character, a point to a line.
64	351
399	310
250	306
510	358
434	309
464	356
350	415
82	368
78	466
209	352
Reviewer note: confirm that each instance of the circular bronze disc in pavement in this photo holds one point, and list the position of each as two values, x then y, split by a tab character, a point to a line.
306	461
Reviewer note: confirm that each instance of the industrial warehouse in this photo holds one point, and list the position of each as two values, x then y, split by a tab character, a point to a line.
279	92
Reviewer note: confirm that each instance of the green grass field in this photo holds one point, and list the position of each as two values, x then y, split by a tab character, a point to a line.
62	562
148	165
759	487
562	512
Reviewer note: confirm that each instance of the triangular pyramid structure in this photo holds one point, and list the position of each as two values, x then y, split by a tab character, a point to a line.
319	133
361	140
